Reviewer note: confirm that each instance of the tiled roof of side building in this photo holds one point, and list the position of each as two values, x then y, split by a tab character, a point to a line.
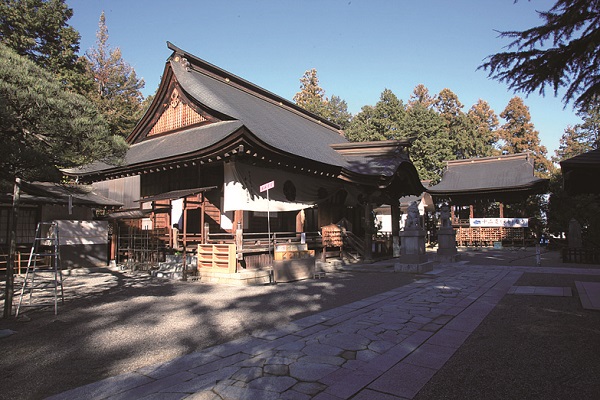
485	174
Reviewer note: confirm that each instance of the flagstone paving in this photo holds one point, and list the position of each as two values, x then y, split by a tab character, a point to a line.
384	347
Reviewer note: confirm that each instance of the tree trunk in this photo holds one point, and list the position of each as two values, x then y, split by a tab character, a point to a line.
12	250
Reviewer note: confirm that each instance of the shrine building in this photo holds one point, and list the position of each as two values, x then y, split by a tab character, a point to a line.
218	160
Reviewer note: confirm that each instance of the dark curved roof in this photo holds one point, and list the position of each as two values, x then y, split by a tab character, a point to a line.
163	147
492	177
276	124
580	173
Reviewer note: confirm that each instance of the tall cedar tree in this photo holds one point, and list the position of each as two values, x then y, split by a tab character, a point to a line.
518	135
312	98
564	52
420	95
38	29
485	124
381	122
117	89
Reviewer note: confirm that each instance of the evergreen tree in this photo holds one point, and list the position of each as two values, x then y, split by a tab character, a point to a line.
361	129
485	123
38	29
564	52
44	127
518	135
381	122
117	88
336	111
572	143
431	145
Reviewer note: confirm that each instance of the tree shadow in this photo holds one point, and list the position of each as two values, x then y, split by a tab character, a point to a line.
114	322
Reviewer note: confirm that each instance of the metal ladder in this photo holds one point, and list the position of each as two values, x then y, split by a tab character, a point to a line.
45	246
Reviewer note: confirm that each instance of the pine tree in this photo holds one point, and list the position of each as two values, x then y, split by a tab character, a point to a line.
117	91
39	30
44	127
518	135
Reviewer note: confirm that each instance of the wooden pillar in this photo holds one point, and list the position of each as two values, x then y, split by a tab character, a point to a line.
368	231
203	234
184	261
300	218
114	240
395	214
501	207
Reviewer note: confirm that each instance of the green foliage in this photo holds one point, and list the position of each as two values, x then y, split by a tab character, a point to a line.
117	89
336	111
38	30
43	127
432	144
564	52
381	122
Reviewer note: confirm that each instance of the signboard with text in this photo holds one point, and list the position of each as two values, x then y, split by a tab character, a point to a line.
499	222
267	186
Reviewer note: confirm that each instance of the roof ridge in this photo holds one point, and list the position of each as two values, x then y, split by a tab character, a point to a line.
215	72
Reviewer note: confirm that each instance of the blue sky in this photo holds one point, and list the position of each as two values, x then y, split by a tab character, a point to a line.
359	47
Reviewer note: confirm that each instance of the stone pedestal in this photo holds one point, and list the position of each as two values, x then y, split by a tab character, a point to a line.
447	245
413	257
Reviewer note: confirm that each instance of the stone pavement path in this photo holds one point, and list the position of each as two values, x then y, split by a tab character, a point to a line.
384	347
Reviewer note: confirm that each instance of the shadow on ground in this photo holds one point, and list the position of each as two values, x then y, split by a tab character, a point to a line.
114	322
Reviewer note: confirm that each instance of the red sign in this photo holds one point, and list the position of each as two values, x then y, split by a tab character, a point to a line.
267	186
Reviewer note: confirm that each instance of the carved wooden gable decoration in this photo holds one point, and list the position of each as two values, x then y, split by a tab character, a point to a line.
177	113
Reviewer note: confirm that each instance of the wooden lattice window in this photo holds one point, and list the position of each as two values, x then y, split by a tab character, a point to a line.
176	115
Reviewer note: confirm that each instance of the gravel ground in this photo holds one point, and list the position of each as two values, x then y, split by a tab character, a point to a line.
115	322
528	347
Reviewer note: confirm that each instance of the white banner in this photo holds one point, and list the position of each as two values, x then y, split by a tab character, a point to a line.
499	222
288	192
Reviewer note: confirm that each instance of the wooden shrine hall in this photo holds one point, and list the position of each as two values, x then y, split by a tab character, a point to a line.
208	143
480	192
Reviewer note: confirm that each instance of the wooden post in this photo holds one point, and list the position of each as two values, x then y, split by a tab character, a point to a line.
202	210
184	261
368	231
12	248
395	214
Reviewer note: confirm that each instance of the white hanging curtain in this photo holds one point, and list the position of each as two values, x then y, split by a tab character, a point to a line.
292	192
